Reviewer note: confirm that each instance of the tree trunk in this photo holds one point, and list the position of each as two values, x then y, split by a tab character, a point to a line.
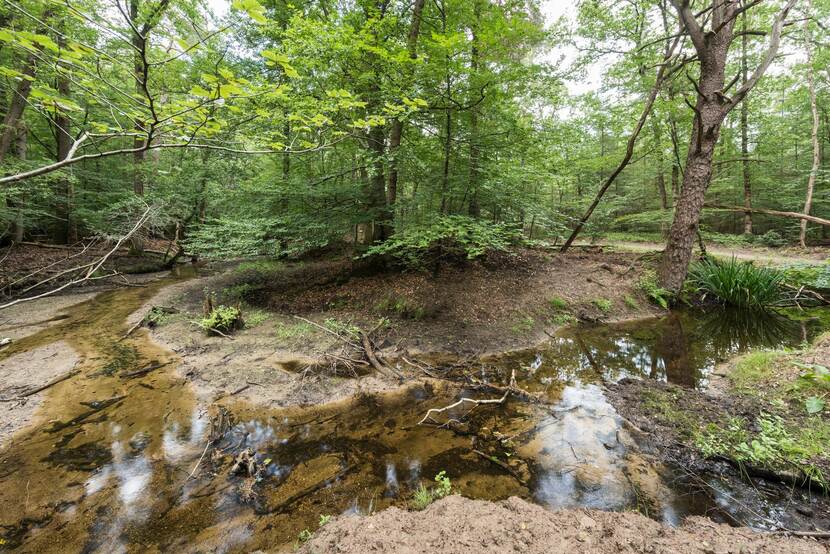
16	107
139	44
711	108
475	174
67	231
745	135
21	144
811	84
661	160
396	131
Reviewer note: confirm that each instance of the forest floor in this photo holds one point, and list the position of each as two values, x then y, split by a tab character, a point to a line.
457	524
759	254
460	313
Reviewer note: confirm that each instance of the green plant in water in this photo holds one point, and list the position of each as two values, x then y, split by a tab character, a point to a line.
602	304
738	283
424	496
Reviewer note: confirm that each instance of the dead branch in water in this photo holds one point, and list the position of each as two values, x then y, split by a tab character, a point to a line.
511	388
367	348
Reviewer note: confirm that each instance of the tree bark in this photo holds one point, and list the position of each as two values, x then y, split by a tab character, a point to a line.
16	106
139	43
475	174
811	84
661	160
711	108
745	134
396	132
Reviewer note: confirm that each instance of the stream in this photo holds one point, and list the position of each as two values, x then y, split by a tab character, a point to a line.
118	461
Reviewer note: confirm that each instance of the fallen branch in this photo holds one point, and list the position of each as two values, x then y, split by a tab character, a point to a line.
507	391
367	347
92	268
42	388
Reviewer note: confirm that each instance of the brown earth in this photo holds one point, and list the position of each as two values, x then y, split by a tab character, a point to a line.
456	524
460	313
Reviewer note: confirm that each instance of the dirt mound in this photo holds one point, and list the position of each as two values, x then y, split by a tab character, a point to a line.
457	524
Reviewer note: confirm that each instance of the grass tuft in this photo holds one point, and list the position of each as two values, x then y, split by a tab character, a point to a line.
739	284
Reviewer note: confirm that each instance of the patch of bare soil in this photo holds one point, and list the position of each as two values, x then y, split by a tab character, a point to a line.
456	524
23	373
461	312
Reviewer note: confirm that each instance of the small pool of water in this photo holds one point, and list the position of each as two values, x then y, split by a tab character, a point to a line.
120	463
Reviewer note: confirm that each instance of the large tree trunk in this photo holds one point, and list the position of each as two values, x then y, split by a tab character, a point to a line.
16	107
711	108
811	84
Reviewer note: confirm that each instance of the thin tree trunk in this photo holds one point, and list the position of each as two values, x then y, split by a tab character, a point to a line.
67	231
745	135
21	144
396	132
811	84
661	162
632	139
475	174
138	43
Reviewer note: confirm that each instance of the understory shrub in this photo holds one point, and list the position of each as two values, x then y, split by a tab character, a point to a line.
224	319
738	284
446	239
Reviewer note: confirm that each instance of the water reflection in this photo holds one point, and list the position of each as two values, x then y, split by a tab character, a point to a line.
681	348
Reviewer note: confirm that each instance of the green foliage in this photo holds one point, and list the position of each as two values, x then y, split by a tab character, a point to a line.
254	318
444	239
815	276
324	519
523	323
602	304
225	319
648	284
343	328
557	303
754	367
738	283
631	302
293	331
159	315
402	307
424	496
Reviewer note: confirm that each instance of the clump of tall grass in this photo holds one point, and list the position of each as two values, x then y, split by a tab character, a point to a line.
739	284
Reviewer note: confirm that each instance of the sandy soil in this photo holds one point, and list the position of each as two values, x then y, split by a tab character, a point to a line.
467	313
25	371
27	318
456	524
766	256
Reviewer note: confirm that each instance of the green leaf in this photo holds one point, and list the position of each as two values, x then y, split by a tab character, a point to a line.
814	405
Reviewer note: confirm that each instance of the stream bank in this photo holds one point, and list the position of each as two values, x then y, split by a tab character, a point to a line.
128	455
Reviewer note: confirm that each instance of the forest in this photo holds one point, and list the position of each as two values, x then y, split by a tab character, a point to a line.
440	264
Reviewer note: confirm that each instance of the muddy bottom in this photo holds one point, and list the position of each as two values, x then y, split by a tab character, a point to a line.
125	458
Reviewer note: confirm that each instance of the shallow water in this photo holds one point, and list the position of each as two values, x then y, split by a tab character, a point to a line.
120	463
